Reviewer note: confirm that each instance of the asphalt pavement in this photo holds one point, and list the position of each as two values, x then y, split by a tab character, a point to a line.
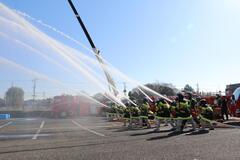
94	138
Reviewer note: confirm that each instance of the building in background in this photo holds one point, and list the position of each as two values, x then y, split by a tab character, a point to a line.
2	102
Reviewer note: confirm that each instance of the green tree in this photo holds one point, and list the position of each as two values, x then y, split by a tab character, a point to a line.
188	88
14	97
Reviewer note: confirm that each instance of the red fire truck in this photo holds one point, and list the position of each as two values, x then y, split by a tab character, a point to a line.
70	106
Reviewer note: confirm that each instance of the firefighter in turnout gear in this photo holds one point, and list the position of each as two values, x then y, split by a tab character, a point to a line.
120	109
174	113
134	114
183	115
144	111
162	109
144	108
206	115
193	109
112	112
162	113
127	115
173	109
135	111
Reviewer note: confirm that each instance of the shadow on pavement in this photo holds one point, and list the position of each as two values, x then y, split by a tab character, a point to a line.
150	132
232	123
123	129
61	146
172	134
113	128
198	132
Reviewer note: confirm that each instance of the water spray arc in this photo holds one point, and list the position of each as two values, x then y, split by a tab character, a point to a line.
34	50
45	77
55	46
84	57
67	53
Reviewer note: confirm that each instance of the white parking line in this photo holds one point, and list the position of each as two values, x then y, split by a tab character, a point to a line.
39	130
87	129
61	128
6	124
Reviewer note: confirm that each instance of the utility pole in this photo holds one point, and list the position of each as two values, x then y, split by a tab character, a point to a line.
34	92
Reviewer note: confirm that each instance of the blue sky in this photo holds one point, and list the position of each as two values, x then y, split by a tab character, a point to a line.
172	41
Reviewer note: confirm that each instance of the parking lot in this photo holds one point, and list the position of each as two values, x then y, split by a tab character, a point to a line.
95	138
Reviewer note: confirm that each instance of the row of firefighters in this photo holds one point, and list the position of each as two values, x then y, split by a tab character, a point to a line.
183	109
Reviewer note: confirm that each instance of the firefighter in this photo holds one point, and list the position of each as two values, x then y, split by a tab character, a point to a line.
173	113
127	115
193	108
218	100
120	110
111	112
206	114
224	108
183	112
135	111
173	109
162	112
135	114
144	110
151	109
152	105
112	109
